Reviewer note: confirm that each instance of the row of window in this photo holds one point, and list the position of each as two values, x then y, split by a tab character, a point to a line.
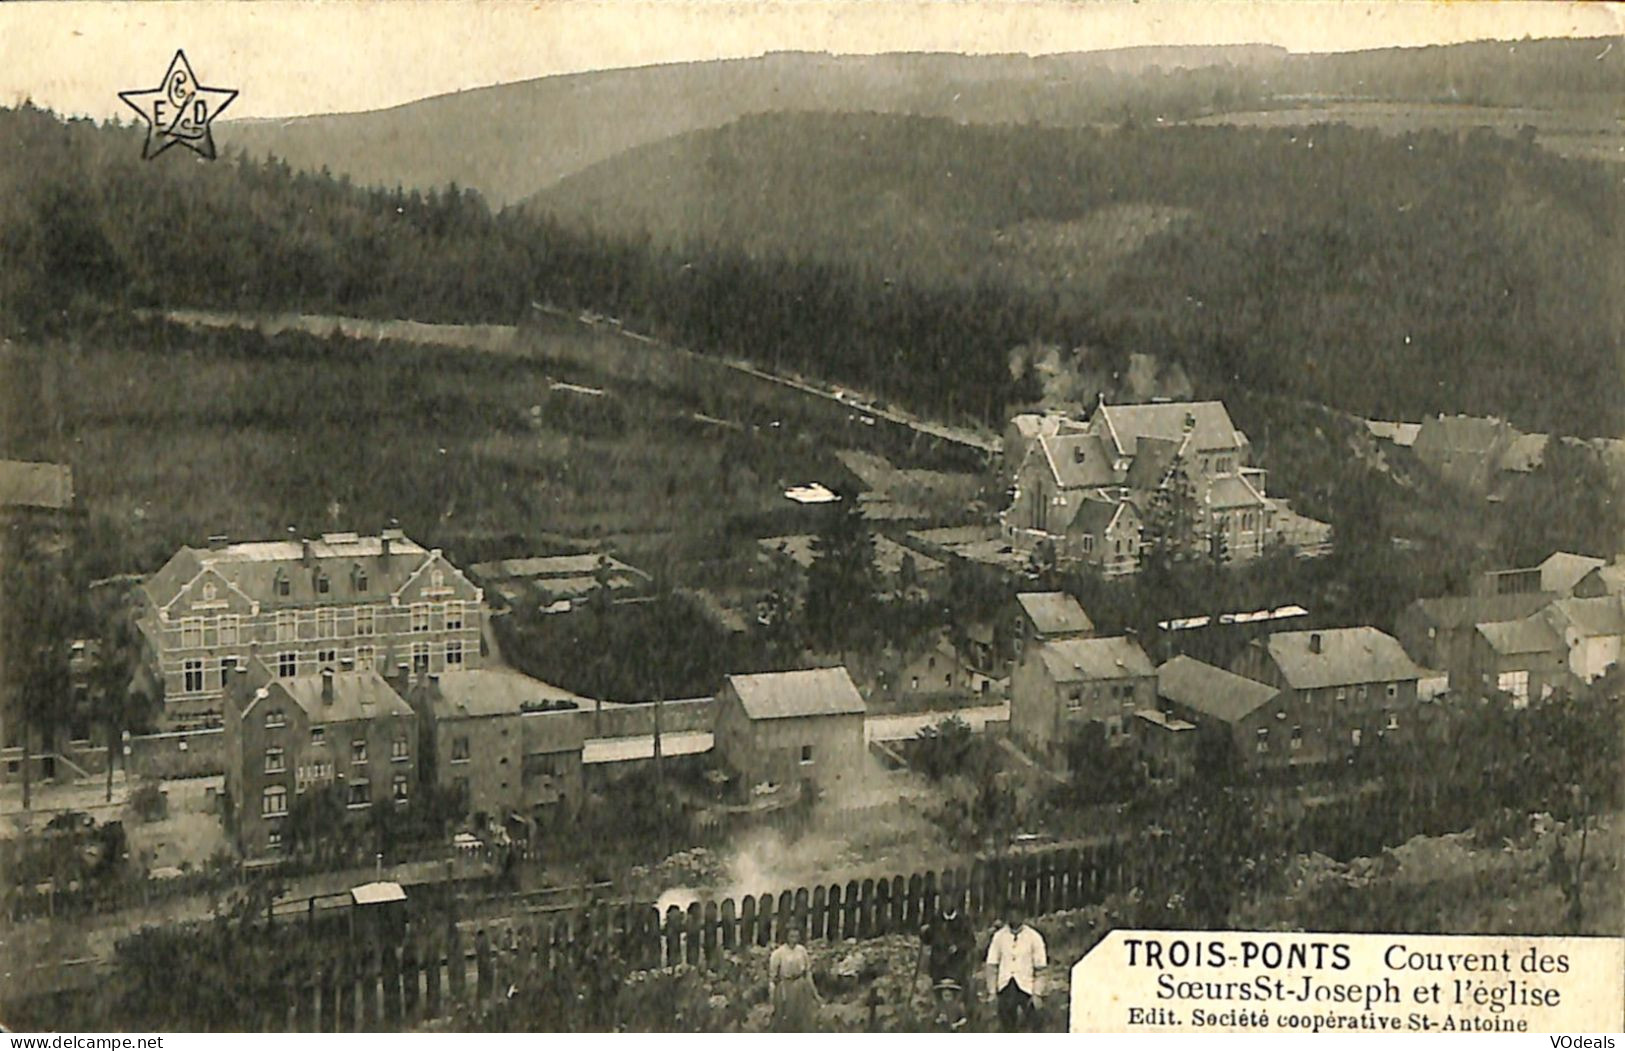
292	625
1117	692
274	800
1295	740
195	677
400	750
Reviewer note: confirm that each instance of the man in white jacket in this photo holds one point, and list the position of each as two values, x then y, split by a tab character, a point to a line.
1015	960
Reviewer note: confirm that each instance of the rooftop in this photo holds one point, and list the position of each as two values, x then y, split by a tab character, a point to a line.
1078	461
1084	660
794	694
552	566
1055	613
1530	635
1212	691
1208	422
1347	656
254	567
46	485
483	692
1452	611
357	696
1562	570
1592	617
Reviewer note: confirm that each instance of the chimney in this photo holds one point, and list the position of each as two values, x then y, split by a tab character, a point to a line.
308	553
327	685
1314	642
1077	454
383	547
218	541
1190	421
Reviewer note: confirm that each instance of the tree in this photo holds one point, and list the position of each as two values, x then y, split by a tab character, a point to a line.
841	580
36	621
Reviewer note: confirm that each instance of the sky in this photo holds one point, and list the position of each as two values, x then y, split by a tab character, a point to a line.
294	58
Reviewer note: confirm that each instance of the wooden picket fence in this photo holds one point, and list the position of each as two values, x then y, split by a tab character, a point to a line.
367	986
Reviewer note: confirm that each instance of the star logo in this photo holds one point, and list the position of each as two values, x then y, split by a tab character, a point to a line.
178	111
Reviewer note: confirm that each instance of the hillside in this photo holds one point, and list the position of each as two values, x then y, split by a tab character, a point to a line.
513	140
1405	274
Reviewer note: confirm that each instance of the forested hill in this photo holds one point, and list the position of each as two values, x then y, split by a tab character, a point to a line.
1387	275
1380	275
513	140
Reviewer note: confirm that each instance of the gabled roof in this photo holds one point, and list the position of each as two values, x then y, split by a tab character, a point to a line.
1211	427
1347	656
1527	452
1055	613
1452	611
794	694
1098	512
1233	490
253	568
1078	461
1031	425
1530	635
45	485
1562	570
552	566
481	692
1591	617
357	696
1084	660
1212	691
1609	579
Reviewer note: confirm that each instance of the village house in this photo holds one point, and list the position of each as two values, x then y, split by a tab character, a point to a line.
379	602
1047	616
1060	688
1464	451
1441	633
559	582
1343	684
1592	630
931	670
791	728
1524	659
346	731
1250	723
1082	493
1558	575
506	746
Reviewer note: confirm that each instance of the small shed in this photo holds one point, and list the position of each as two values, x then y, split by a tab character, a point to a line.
378	910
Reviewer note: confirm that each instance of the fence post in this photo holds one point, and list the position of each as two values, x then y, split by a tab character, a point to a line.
730	925
882	908
914	903
674	935
708	934
694	927
899	902
456	965
851	906
832	913
766	931
866	909
803	905
817	913
747	921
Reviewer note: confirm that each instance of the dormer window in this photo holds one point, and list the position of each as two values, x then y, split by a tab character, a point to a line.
323	584
284	586
360	577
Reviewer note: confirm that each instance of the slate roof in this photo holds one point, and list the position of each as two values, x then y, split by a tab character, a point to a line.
1562	570
482	692
1078	461
1055	612
794	694
1530	635
1453	611
1232	490
551	566
357	696
253	568
44	485
1126	424
1085	660
1348	656
1212	691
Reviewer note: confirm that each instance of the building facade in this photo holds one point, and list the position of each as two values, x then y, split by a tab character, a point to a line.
379	602
1078	685
1343	685
344	732
786	728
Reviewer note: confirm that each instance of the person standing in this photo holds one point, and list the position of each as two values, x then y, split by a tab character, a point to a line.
1015	960
948	946
790	986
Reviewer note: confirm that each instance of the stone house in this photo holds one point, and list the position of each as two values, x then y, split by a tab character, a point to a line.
792	727
1078	685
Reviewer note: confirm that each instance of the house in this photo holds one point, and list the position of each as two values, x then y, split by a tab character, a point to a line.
1398	433
931	670
1465	451
1252	723
1343	683
509	747
287	737
1592	630
1521	658
382	602
1058	688
1439	633
1559	574
1046	616
1025	429
1602	580
792	728
1082	493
